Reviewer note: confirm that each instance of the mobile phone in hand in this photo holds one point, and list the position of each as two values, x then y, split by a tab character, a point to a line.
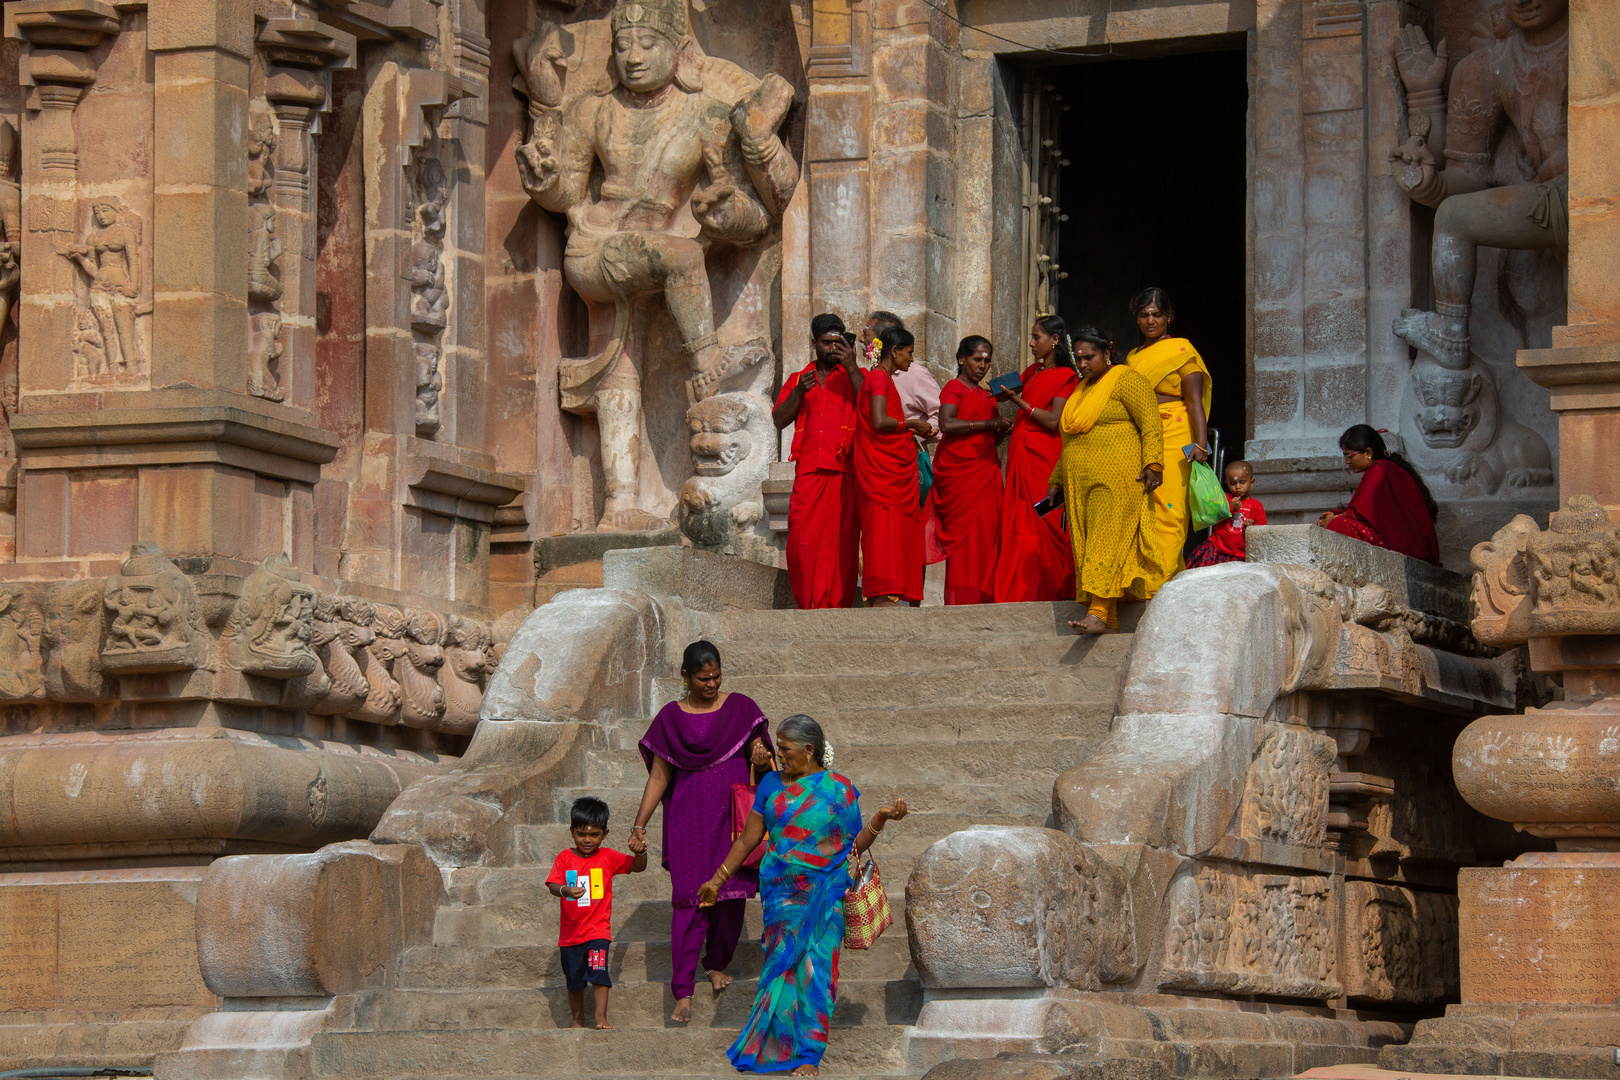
1047	505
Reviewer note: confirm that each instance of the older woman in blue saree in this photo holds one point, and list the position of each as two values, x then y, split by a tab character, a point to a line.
812	818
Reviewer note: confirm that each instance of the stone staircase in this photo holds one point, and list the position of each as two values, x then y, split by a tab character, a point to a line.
969	713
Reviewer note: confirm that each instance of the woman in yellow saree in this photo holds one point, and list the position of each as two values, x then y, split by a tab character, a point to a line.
1175	371
1110	465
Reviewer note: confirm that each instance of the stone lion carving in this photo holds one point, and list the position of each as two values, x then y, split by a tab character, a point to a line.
733	444
421	699
1464	438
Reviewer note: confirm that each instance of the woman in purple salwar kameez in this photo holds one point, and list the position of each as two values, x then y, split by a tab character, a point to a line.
695	750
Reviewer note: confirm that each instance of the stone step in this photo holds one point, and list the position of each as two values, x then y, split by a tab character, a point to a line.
1002	722
110	1042
866	1051
972	652
911	624
471	967
643	1005
783	695
876	767
1021	796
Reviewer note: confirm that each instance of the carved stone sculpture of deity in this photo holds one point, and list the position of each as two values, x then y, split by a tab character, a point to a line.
688	156
264	349
11	221
430	297
422	703
156	624
429	385
1520	83
108	253
468	659
22	632
269	629
264	283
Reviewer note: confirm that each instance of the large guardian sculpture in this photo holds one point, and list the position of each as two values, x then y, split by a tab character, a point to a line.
665	156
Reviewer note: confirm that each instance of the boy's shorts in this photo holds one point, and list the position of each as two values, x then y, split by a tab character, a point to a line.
586	964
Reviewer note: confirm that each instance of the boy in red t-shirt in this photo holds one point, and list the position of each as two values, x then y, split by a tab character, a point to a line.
1225	543
583	878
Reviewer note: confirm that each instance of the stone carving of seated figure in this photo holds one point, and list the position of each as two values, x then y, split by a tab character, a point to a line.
680	153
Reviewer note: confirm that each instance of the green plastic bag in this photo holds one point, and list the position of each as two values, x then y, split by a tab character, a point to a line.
1207	499
925	474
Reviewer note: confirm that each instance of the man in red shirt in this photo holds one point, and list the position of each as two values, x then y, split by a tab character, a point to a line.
823	531
582	878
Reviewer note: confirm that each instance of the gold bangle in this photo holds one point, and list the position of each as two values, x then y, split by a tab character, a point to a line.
724	871
1156	467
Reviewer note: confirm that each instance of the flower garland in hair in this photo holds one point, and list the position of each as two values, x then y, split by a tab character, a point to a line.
826	754
874	351
1068	345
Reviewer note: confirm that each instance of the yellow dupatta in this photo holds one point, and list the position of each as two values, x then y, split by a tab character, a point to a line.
1167	356
1086	404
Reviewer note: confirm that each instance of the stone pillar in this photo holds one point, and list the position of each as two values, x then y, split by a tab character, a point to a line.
1583	368
1539	985
297	53
62	42
136	422
837	161
1309	177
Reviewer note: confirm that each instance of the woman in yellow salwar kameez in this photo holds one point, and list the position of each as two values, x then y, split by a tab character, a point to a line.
1181	382
1112	460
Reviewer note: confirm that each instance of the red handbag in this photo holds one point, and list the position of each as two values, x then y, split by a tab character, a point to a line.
742	804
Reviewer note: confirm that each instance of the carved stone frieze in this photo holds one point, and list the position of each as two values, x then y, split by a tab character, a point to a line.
374	650
269	629
1400	945
1259	934
73	642
469	657
1285	800
421	699
156	623
1566	580
22	640
107	337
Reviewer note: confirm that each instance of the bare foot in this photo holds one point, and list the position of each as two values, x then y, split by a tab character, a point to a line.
805	1070
1090	626
603	1025
719	980
683	1011
579	1021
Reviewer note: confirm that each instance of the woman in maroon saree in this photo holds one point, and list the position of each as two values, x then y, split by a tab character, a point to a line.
1392	507
695	750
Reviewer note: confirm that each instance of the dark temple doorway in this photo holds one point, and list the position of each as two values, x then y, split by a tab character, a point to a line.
1156	194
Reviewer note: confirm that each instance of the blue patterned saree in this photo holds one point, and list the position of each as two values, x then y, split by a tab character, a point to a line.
810	824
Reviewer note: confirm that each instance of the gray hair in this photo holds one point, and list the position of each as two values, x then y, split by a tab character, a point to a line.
800	728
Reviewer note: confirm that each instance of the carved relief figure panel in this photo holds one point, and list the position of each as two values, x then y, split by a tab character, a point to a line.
1286	798
110	338
667	162
1487	147
156	623
1229	932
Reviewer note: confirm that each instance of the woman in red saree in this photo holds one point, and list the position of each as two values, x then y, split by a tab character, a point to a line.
887	491
1036	561
965	507
1392	507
